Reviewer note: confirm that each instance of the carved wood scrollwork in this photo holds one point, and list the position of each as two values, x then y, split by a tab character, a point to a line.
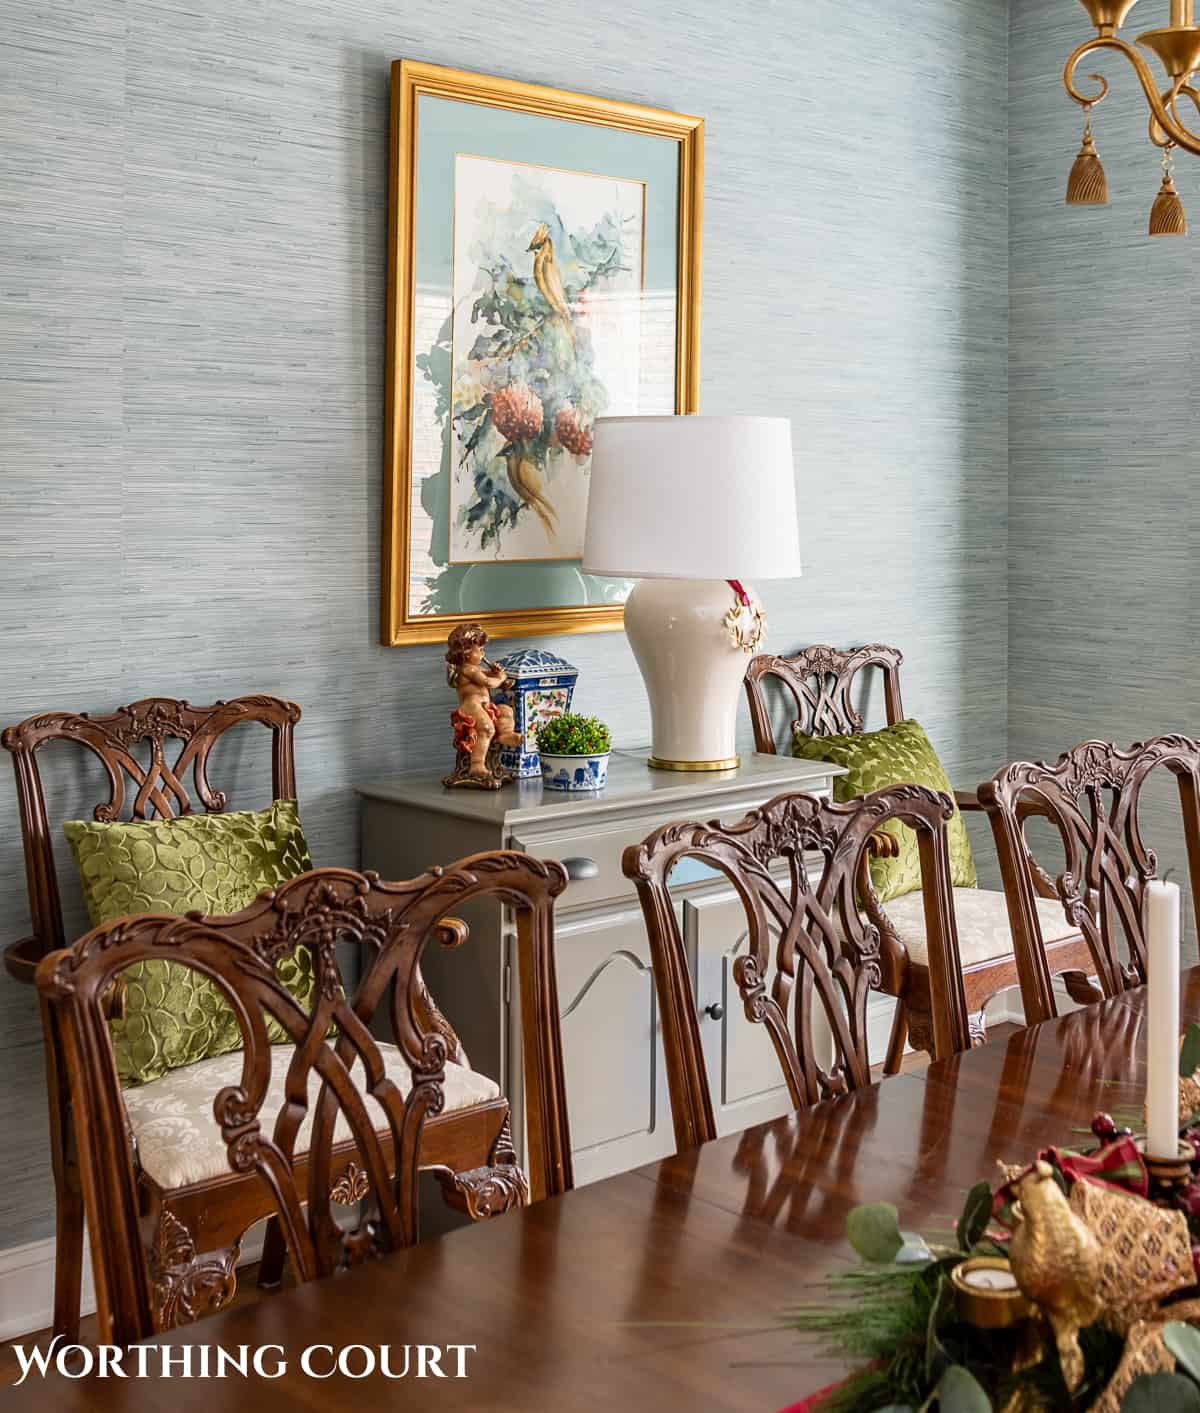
1090	797
826	955
351	1186
184	1286
820	681
488	1192
337	1062
159	788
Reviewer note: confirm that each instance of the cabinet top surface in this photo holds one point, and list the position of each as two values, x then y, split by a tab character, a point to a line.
631	784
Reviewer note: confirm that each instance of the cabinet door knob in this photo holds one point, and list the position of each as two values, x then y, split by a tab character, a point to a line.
579	869
715	1011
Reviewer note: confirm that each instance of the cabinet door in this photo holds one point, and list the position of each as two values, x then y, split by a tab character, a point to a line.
744	1074
612	1045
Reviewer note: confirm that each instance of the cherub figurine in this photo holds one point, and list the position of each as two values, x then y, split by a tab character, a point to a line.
480	726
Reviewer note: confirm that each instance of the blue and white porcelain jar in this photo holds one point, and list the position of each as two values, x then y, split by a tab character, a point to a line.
574	772
544	685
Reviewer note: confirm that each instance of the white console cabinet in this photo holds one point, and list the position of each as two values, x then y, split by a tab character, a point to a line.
616	1080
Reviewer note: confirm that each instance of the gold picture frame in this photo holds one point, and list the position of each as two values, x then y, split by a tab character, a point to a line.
403	622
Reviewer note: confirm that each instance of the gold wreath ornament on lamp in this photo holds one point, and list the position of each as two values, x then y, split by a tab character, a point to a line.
1177	48
688	506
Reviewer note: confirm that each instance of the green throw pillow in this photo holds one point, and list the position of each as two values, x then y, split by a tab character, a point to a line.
897	755
211	863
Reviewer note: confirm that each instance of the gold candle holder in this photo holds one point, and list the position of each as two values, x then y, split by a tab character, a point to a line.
1166	1172
987	1294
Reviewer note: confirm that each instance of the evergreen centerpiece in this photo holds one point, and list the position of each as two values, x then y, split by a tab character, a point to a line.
574	751
1074	1285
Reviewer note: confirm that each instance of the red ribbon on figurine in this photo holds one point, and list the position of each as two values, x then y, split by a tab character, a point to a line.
1118	1164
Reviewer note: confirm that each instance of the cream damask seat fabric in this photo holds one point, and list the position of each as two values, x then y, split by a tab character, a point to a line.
178	1140
984	934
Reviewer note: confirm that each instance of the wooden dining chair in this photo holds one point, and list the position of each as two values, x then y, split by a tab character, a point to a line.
332	1115
822	683
826	955
468	1145
1090	797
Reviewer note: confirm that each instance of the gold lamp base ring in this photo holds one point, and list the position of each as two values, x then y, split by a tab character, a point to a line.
729	763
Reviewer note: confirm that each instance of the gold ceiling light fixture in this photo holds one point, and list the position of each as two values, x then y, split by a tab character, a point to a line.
1177	48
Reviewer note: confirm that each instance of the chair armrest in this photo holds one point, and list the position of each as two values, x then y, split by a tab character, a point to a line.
21	959
969	800
450	932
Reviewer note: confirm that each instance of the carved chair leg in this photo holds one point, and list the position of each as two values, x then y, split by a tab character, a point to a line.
274	1255
1081	988
897	1039
68	1190
68	1256
487	1192
920	1030
185	1284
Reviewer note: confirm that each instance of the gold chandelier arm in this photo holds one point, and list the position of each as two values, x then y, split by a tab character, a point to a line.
1169	125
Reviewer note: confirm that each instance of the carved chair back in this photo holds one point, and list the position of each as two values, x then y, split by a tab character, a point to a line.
821	681
157	790
1091	797
391	924
826	954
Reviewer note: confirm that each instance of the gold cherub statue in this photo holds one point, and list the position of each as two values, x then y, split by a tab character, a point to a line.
480	726
1056	1260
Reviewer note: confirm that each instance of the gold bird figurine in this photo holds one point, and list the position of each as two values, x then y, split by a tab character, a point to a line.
548	277
1056	1260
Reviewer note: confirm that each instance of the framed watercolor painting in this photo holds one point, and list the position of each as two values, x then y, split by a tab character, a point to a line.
544	270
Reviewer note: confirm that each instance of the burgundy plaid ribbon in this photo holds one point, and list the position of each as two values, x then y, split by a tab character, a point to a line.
1118	1165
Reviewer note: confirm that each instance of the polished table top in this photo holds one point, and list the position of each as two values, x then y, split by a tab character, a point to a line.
659	1289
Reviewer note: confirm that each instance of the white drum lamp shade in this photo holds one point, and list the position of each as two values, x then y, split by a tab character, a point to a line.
701	504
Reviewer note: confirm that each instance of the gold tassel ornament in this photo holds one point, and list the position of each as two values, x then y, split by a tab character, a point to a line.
1167	216
1087	185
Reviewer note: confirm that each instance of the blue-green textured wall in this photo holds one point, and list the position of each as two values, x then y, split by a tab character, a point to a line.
191	363
1104	419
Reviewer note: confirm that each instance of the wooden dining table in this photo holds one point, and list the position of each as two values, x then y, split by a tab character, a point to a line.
668	1287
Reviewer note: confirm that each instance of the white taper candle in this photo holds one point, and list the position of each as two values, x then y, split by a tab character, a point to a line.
1162	1030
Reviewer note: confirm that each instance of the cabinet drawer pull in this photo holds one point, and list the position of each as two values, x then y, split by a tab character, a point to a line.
715	1011
579	869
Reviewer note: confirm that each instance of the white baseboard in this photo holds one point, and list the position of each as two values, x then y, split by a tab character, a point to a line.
27	1283
1006	1005
27	1288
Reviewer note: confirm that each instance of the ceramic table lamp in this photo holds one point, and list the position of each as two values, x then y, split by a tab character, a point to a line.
692	507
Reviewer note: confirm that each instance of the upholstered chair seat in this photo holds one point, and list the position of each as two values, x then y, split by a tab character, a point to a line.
179	1143
984	933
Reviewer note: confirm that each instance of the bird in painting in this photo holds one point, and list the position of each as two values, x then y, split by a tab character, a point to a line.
548	277
530	485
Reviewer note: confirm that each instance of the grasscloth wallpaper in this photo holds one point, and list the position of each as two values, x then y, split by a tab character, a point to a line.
191	365
1104	422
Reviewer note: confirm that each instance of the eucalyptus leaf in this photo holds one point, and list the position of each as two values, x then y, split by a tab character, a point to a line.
1161	1393
959	1391
874	1232
1184	1343
1189	1052
976	1213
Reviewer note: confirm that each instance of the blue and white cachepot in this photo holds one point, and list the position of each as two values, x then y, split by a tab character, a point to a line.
574	772
544	685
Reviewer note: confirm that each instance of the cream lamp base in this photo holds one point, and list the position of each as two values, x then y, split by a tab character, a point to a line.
692	652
